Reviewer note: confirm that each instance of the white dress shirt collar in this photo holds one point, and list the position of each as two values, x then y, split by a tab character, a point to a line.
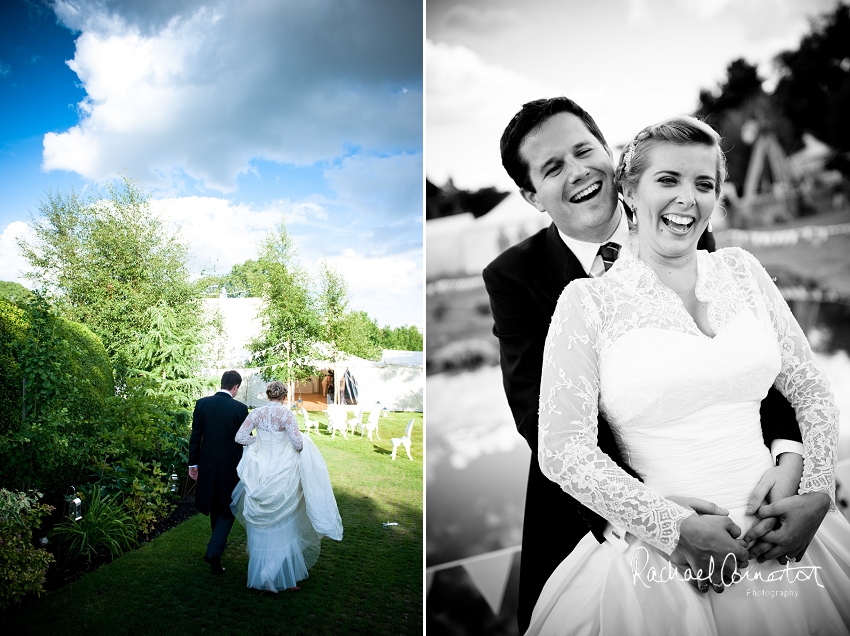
585	252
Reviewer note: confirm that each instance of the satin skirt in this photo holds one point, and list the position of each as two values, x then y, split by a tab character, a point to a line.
285	501
598	590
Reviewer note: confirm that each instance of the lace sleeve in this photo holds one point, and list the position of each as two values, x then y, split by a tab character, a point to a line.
804	385
243	435
291	427
567	445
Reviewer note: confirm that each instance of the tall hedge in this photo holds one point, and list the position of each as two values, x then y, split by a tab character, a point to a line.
47	430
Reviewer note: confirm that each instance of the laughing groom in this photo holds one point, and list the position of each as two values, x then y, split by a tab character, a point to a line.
559	159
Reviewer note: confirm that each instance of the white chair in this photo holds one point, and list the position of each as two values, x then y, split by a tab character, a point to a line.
405	441
357	421
372	424
336	420
308	423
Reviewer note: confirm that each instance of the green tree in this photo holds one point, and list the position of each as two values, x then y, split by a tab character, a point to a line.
245	280
167	355
406	338
332	303
289	316
360	336
108	262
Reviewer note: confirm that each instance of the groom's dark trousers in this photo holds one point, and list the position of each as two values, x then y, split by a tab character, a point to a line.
213	448
524	283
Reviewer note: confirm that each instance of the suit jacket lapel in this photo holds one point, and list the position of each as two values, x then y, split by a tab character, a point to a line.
561	267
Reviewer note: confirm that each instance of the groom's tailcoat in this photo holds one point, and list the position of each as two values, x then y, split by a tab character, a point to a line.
524	284
213	448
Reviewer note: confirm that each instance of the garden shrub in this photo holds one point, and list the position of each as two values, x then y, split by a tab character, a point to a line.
46	432
105	527
13	328
22	566
14	292
150	499
142	436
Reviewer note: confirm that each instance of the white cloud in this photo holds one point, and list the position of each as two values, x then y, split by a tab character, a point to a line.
705	8
220	234
12	264
201	92
469	104
388	288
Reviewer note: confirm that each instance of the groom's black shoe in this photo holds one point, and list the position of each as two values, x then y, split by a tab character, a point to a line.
215	564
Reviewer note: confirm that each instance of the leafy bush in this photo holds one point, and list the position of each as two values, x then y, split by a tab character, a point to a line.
150	499
142	435
13	328
22	565
58	381
105	526
14	292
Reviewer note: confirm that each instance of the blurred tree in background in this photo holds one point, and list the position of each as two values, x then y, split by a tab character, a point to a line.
812	95
814	87
738	100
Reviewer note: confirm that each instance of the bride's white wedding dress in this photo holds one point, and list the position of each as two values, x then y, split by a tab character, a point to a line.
684	408
284	499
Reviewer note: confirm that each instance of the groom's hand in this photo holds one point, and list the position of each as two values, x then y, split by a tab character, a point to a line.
700	506
777	483
707	538
799	517
193	473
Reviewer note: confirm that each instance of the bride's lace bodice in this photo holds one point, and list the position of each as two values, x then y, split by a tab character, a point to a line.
273	418
681	404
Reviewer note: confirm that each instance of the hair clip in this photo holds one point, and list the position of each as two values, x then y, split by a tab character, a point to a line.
630	153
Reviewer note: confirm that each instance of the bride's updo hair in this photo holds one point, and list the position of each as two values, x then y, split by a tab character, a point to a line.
276	390
682	130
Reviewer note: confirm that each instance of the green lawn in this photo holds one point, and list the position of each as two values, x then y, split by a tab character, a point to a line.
369	583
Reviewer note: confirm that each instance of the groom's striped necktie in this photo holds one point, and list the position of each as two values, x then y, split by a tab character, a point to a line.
607	254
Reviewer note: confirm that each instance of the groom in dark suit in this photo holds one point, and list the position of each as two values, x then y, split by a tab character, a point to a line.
558	157
213	457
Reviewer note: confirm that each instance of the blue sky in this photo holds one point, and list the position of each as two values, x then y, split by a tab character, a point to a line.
234	115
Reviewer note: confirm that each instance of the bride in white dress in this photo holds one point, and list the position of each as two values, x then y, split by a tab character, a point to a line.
677	348
284	497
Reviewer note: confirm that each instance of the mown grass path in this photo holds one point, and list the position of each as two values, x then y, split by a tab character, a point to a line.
369	583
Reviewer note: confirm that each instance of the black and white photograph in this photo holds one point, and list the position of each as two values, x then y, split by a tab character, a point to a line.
637	310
